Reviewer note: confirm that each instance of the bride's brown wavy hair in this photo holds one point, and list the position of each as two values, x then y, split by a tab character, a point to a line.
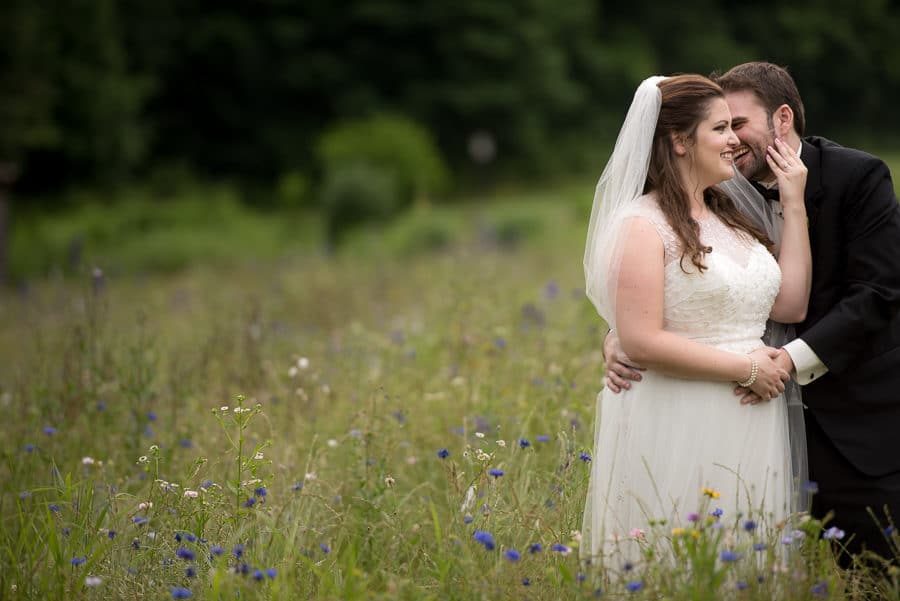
685	103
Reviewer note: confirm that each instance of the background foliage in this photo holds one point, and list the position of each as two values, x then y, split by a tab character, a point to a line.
102	90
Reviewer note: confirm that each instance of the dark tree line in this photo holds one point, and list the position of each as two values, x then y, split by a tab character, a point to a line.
97	91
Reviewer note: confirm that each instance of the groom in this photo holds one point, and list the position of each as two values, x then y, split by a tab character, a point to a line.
847	354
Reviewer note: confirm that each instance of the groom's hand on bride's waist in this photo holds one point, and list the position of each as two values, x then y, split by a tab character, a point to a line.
620	370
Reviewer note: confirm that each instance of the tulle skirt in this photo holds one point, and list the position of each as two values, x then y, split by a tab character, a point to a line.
658	445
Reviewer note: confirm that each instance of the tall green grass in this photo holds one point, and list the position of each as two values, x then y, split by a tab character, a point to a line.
351	372
127	469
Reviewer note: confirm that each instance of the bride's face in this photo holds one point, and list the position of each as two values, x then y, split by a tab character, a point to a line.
754	128
714	144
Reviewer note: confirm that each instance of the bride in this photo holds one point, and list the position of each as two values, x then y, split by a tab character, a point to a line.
688	281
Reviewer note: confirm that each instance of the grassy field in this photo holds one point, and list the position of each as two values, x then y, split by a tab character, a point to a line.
408	419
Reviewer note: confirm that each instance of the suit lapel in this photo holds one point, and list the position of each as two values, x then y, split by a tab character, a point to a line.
812	196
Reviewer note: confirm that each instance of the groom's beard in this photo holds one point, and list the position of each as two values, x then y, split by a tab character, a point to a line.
752	165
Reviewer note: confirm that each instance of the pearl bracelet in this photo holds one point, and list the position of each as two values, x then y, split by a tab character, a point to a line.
754	370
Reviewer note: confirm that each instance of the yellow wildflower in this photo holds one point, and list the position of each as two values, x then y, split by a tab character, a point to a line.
712	494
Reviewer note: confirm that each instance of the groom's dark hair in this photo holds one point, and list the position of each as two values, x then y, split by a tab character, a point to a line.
772	84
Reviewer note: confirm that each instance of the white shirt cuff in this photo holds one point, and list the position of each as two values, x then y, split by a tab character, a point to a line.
807	365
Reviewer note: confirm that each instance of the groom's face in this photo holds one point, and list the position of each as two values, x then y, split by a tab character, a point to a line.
754	128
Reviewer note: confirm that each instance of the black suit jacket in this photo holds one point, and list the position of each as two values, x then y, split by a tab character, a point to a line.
852	322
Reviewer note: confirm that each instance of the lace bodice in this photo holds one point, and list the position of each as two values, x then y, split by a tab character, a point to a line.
726	305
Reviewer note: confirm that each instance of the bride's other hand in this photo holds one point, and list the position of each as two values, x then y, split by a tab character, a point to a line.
790	172
770	377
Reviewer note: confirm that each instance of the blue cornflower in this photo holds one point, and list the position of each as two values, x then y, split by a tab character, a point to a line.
760	547
186	443
523	442
635	586
49	430
586	457
243	568
258	575
181	593
29	448
185	554
551	289
77	561
729	556
495	472
206	483
443	453
526	582
260	491
580	577
190	537
190	572
468	519
250	502
297	486
500	342
889	530
535	548
135	544
325	548
820	589
628	566
139	520
564	550
66	532
749	525
741	585
216	550
542	438
239	550
485	539
717	512
512	555
54	508
151	416
178	537
833	533
271	573
812	487
111	534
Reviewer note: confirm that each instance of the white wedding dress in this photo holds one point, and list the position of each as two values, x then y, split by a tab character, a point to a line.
657	445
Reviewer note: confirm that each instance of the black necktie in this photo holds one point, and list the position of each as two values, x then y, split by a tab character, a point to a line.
767	193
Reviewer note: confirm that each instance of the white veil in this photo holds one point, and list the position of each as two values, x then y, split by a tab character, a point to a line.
620	184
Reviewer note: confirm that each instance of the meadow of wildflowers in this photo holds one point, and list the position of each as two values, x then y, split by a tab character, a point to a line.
340	428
